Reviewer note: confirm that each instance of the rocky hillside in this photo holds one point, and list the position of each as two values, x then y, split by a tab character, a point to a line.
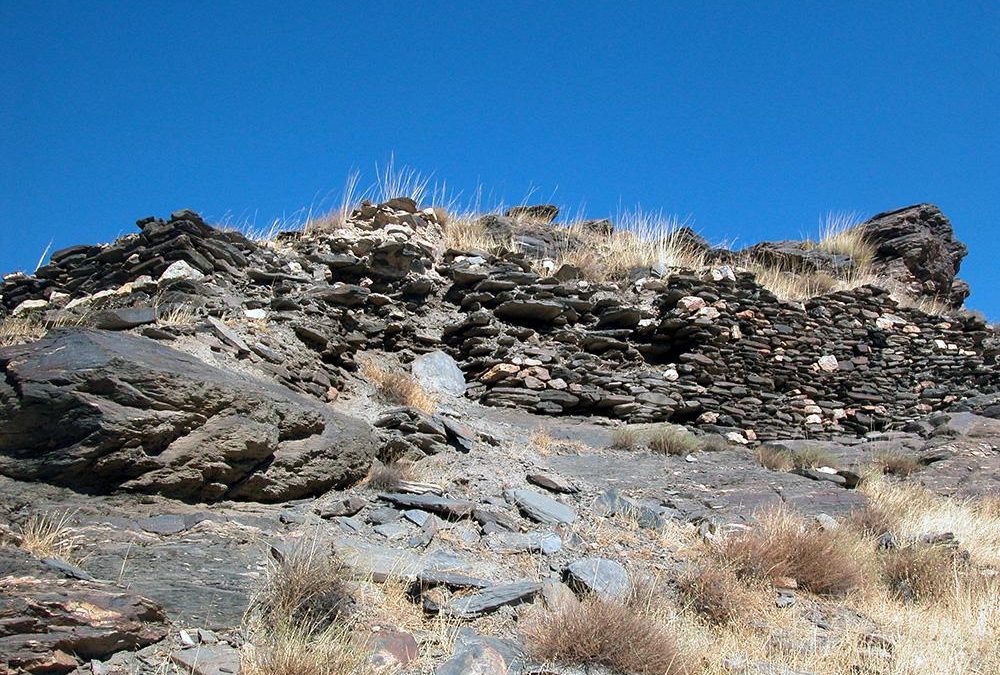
468	428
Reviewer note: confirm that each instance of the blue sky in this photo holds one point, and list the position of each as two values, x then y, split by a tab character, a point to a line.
752	120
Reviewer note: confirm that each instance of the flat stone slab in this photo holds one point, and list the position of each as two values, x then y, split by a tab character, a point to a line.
491	599
605	578
448	508
208	660
552	482
548	543
541	508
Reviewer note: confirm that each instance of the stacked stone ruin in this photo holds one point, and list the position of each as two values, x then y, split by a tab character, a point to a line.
709	348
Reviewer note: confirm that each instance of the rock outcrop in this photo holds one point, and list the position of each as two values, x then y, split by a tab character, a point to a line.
100	411
917	247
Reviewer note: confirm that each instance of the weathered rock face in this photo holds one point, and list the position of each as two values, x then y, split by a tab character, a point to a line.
45	623
917	246
99	411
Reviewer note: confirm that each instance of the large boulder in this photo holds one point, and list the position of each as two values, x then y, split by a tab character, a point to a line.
98	411
917	246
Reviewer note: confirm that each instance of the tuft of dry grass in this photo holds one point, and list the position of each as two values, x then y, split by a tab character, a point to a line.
896	463
178	315
917	512
774	458
625	438
843	234
297	649
671	440
20	329
542	441
920	572
49	536
781	546
666	439
387	477
399	387
607	633
306	587
295	624
778	458
715	594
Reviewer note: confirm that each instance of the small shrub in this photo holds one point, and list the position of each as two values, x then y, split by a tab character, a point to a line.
896	463
919	572
774	458
49	536
305	588
714	593
625	438
781	546
671	440
601	632
399	387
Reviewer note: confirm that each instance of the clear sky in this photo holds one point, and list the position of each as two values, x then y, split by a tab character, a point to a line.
750	119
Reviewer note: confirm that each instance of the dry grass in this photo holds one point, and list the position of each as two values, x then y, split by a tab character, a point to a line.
916	512
178	315
399	387
306	588
666	439
296	649
49	536
670	440
781	459
20	329
31	326
774	458
617	635
843	234
387	477
781	546
625	438
295	622
542	441
896	463
920	571
715	594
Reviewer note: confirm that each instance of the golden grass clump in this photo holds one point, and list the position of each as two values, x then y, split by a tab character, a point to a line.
399	387
625	438
388	477
49	536
306	587
20	329
920	571
295	624
671	440
843	234
781	546
778	458
895	463
613	634
917	512
715	594
293	649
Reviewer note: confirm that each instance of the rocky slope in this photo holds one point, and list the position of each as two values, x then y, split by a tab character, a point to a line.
194	399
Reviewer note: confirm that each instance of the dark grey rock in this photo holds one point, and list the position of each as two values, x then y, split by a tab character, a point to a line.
540	508
100	411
